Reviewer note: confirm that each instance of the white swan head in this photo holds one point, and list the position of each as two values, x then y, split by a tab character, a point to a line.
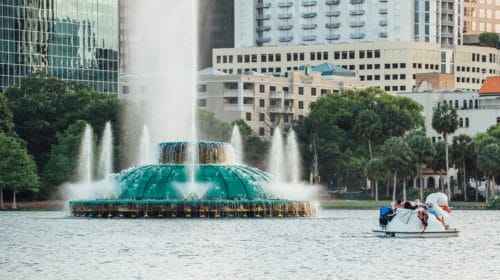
439	201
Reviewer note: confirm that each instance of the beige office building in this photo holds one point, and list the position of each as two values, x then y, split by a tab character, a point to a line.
265	101
481	16
392	66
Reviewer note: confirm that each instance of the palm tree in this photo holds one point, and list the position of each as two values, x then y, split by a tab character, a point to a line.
375	170
445	121
396	156
423	153
462	148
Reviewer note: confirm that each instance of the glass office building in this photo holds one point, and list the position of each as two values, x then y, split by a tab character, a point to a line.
75	40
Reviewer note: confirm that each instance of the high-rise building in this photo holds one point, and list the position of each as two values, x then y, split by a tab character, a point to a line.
312	22
75	40
481	16
215	29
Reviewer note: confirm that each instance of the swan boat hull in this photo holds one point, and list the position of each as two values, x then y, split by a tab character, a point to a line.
417	234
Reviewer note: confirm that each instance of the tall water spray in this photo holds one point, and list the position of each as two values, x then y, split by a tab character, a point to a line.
106	156
85	165
293	157
145	155
237	144
276	157
163	54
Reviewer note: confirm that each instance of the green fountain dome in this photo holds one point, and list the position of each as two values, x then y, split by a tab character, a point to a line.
212	181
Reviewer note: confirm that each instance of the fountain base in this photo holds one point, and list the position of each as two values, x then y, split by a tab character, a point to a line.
192	208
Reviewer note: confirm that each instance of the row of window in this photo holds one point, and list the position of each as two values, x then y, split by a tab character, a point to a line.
475	69
297	56
469	80
387	77
466	104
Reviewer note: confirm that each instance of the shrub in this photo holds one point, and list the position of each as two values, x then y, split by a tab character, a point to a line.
493	203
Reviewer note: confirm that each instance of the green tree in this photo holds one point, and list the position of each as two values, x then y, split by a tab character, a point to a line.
489	162
368	127
445	121
396	156
375	170
62	164
212	129
438	163
423	153
17	169
462	149
489	39
6	118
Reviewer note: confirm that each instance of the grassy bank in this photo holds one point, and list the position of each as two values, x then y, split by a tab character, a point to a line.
371	204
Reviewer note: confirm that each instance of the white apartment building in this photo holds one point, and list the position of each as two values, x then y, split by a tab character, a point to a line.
265	101
476	112
312	22
392	66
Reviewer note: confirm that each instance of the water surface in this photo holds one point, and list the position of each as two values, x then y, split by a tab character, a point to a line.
336	245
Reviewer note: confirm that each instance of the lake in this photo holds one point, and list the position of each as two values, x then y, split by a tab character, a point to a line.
338	244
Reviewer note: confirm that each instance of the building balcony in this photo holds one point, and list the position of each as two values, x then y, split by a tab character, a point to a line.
285	4
230	107
383	1
276	95
382	23
285	38
309	26
288	95
332	36
285	27
309	15
281	110
332	2
357	1
309	37
357	35
308	3
263	39
263	5
332	14
263	17
202	95
357	12
382	34
357	24
231	93
382	11
263	28
333	25
447	22
248	93
285	16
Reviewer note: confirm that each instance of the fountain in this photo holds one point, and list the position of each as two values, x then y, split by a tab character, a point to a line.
85	166
106	155
187	178
164	190
237	144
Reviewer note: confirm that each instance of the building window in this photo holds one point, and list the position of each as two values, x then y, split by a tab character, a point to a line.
272	89
278	57
262	131
344	55
262	88
466	122
285	118
377	53
351	54
387	77
247	58
125	90
262	103
325	55
262	117
263	58
240	58
471	104
402	65
498	119
202	103
301	91
336	55
361	67
369	54
361	54
248	116
456	104
301	104
313	91
387	66
461	122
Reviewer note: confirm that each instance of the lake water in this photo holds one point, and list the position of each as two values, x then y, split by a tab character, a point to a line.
336	245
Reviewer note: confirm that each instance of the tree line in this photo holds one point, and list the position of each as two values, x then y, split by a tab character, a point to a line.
370	134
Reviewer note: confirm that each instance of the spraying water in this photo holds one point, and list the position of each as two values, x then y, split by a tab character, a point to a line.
276	157
106	156
163	50
85	165
293	157
237	144
145	155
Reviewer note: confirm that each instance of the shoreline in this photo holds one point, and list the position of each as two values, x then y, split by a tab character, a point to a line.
58	205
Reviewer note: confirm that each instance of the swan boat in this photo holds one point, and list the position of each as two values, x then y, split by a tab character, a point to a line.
428	220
